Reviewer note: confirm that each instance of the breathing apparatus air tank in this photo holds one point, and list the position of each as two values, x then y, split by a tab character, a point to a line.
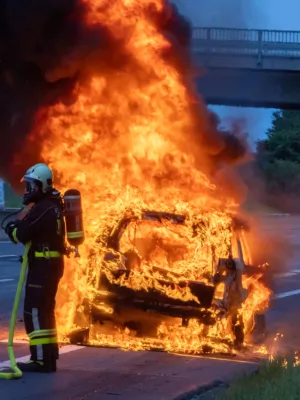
73	217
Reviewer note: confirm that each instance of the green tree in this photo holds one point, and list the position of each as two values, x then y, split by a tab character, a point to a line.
278	156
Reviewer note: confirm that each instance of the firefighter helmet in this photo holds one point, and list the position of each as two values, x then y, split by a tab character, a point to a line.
40	173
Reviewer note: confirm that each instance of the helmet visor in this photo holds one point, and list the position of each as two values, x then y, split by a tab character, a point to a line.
30	183
27	179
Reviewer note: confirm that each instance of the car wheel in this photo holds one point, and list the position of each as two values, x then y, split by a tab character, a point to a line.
258	332
238	329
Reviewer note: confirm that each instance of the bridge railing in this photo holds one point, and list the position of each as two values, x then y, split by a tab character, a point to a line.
246	42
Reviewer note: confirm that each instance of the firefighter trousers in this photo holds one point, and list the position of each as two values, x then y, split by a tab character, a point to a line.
40	327
39	316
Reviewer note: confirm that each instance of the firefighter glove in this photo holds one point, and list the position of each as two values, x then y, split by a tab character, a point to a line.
9	229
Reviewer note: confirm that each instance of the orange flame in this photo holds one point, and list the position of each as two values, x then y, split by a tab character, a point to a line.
131	141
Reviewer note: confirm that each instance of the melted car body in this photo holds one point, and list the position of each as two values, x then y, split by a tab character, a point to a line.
144	277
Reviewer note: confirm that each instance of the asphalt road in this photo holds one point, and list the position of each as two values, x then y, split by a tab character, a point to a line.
9	275
94	373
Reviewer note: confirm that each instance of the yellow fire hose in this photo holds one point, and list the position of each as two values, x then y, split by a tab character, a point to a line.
15	372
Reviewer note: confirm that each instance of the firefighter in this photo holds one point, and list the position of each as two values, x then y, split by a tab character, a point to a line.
43	227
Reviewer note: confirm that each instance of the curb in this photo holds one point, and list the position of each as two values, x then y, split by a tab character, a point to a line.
202	390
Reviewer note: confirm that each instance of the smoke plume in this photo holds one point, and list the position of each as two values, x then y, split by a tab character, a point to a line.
47	49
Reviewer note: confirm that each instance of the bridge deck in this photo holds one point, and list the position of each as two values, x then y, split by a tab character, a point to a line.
247	48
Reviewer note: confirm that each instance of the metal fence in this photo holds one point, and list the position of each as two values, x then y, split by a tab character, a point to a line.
246	41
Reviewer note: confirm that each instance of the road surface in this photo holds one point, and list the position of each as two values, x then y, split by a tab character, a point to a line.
94	373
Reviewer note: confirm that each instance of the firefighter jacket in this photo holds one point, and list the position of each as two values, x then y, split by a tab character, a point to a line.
43	226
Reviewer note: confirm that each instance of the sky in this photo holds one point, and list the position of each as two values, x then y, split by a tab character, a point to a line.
251	14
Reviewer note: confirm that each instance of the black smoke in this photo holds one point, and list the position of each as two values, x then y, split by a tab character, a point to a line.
34	36
46	48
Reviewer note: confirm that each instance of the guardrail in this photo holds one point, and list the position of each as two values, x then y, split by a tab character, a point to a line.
246	42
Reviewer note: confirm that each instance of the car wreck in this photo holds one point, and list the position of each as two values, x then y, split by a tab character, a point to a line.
133	289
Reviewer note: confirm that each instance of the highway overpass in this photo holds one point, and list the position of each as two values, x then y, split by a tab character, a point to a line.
255	68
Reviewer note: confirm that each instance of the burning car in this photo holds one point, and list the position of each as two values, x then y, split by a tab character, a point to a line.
161	269
164	263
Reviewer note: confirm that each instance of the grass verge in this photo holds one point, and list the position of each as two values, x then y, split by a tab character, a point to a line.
277	380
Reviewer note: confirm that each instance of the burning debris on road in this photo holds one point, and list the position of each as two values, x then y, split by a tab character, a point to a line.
104	94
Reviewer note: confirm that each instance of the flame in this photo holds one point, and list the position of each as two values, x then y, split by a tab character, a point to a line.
129	142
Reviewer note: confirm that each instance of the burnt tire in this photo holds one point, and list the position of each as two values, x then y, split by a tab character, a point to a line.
238	329
259	331
79	336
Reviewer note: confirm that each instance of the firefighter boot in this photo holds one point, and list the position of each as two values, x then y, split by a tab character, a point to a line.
46	365
36	366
